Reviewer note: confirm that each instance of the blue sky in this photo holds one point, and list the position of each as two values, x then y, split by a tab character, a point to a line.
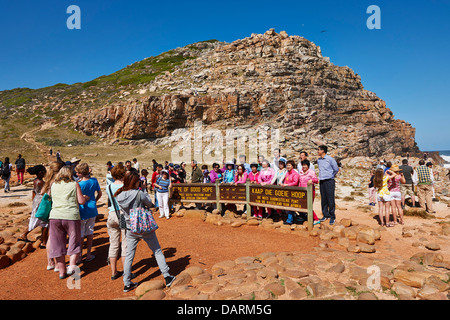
406	62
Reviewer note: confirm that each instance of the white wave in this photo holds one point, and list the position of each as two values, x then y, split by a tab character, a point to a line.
446	158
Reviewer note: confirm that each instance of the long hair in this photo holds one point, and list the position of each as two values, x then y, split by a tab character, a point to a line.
129	182
35	170
65	174
51	174
378	179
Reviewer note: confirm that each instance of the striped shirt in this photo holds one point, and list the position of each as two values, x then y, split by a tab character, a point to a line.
164	184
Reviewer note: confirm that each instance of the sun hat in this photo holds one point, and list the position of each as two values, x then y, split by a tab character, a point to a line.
75	160
395	168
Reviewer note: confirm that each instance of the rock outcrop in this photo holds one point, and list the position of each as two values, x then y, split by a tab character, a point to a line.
271	79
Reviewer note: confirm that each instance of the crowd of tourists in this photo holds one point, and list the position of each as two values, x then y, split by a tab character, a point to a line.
390	185
74	194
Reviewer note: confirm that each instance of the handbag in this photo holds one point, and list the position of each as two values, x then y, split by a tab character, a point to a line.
141	219
120	216
43	211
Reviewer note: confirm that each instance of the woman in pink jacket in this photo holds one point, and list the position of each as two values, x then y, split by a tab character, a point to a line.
241	175
265	177
253	175
291	179
308	176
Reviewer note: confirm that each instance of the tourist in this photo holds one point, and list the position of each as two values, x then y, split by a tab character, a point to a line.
197	174
206	178
136	165
306	177
64	221
116	234
328	169
395	194
155	176
126	198
144	183
20	168
215	174
407	188
381	165
162	186
242	160
260	160
128	166
276	157
241	175
6	174
53	170
230	173
388	166
430	166
253	177
173	174
182	172
90	188
383	195
265	177
372	191
154	163
291	179
39	171
109	166
303	157
166	165
278	178
424	187
266	174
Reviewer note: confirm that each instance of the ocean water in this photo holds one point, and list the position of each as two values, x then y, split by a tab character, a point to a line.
446	156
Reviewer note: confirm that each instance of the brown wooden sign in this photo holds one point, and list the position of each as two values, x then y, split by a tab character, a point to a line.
269	196
232	193
193	192
276	197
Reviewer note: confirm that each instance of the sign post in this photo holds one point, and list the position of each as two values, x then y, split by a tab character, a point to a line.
297	199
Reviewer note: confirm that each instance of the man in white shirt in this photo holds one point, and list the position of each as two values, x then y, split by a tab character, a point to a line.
136	165
304	156
276	159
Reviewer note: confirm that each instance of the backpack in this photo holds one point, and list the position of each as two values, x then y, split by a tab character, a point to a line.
6	172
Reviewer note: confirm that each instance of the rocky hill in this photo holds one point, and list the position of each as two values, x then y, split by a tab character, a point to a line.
272	79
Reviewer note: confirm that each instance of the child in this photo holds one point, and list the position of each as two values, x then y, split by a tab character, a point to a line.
372	191
36	197
143	185
206	178
88	211
162	186
381	183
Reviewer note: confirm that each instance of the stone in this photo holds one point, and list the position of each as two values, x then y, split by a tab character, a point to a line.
367	296
195	214
149	285
16	254
346	222
366	248
298	294
226	295
193	271
432	246
181	279
4	261
275	288
402	289
414	279
153	295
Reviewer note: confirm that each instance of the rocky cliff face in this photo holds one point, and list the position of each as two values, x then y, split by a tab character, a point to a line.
269	78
